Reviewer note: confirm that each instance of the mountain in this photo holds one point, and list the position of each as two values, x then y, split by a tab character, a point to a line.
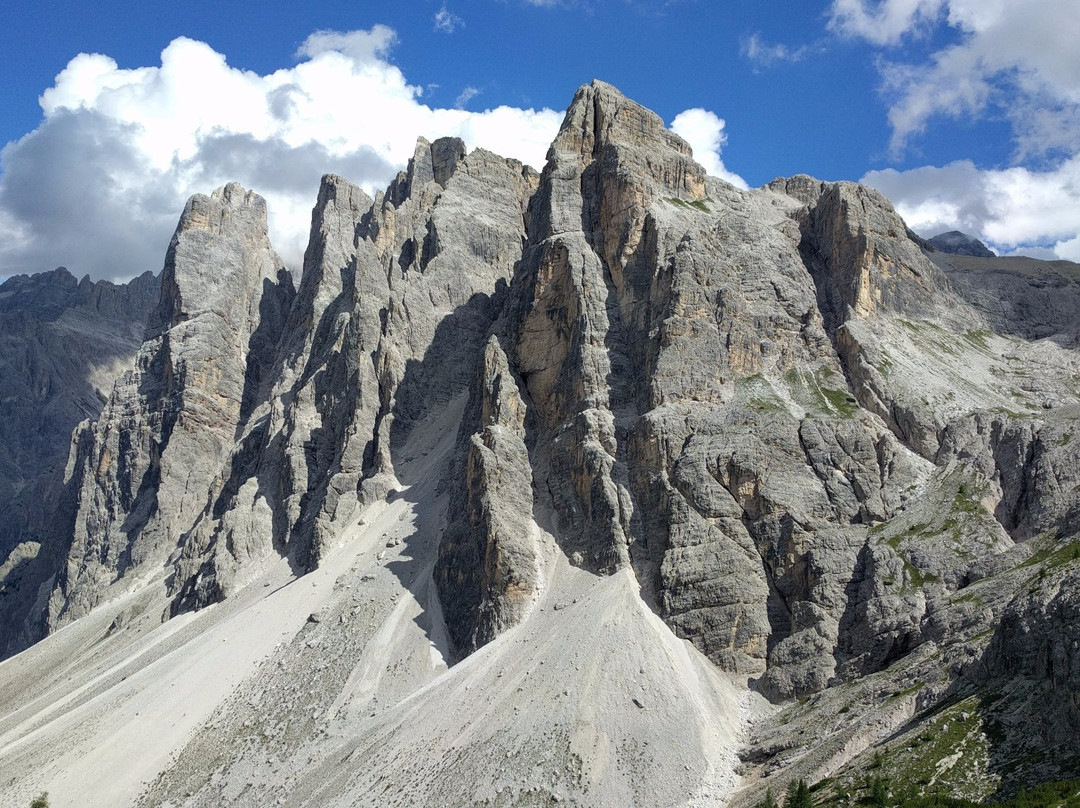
959	243
608	485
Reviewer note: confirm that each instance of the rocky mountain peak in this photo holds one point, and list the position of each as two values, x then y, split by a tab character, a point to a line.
431	163
957	243
865	259
47	293
335	220
603	125
220	231
434	162
175	415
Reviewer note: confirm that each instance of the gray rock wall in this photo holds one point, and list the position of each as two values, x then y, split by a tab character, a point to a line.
144	471
825	458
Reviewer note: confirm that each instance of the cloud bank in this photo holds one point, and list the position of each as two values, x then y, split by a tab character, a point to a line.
1014	209
99	185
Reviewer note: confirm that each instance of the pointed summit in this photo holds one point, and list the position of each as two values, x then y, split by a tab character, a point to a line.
218	258
434	162
603	124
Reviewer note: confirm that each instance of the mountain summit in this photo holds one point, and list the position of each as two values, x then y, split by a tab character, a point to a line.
959	243
611	484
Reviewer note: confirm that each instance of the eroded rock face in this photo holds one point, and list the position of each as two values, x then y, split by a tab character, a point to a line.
393	307
1037	647
490	562
676	386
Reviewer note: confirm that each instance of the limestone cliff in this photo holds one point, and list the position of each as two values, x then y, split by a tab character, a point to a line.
143	472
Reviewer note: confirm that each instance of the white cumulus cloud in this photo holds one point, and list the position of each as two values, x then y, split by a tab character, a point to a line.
1012	209
884	22
98	186
1011	61
704	131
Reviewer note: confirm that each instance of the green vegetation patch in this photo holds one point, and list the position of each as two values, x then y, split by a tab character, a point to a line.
933	336
944	757
916	578
977	337
696	204
757	393
882	792
1054	555
821	391
970	597
841	400
955	512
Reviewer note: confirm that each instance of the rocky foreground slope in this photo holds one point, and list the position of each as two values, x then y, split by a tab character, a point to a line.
607	485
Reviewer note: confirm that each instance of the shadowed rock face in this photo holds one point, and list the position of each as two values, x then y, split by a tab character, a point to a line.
829	462
62	342
143	472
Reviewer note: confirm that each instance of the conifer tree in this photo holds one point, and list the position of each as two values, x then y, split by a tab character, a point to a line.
798	795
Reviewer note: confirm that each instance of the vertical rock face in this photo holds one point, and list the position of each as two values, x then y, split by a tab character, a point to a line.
1036	651
574	346
708	400
490	560
62	339
145	470
395	300
674	382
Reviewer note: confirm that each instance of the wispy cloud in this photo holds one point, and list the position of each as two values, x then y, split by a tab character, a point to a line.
447	21
465	96
766	54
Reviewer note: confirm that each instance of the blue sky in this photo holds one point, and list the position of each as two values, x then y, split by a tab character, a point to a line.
965	112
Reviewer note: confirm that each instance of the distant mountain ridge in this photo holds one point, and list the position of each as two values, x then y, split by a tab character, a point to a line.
608	484
62	341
